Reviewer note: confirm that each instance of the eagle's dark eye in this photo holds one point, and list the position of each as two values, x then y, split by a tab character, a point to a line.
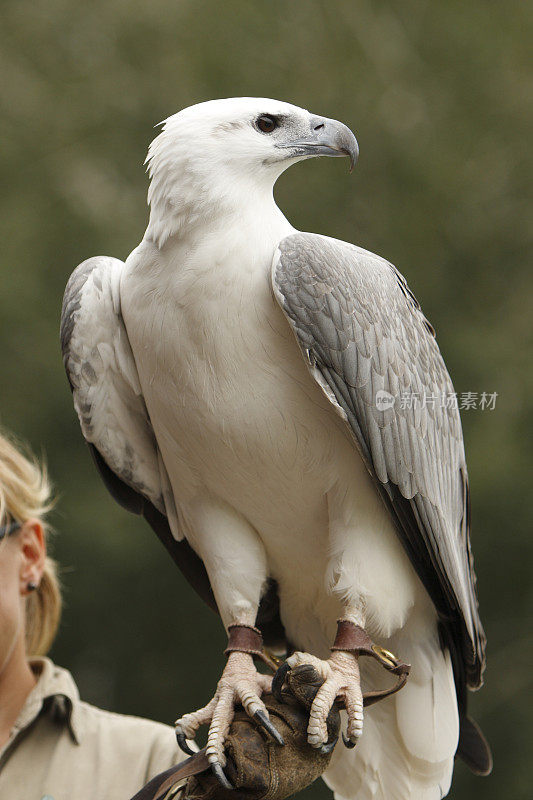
266	124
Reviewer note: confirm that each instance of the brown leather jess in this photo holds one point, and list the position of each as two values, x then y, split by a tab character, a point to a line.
350	637
244	639
247	639
353	638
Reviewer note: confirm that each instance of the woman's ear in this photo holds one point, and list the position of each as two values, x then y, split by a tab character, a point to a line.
33	552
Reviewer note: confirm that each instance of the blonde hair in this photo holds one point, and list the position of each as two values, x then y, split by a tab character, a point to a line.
25	493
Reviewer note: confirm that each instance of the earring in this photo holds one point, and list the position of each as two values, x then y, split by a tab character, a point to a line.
31	586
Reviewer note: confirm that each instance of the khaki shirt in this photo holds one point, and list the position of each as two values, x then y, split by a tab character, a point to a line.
61	748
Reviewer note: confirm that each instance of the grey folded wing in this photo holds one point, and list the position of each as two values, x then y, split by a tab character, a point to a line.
364	337
103	378
110	405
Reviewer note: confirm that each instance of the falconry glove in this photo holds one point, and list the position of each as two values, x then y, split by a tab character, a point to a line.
256	765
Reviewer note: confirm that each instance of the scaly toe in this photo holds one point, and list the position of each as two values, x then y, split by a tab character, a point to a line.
354	709
300	659
187	726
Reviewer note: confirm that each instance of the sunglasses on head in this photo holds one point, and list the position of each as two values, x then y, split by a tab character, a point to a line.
7	530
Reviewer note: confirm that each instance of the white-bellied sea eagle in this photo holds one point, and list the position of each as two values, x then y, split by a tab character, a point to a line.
239	383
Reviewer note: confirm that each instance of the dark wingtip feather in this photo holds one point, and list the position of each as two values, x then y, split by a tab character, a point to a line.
473	748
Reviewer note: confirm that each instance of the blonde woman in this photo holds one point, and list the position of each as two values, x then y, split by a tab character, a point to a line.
53	746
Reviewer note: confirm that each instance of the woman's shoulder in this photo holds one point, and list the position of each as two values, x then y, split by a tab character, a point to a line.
120	741
124	742
91	720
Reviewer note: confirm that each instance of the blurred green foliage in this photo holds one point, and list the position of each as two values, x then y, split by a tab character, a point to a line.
439	97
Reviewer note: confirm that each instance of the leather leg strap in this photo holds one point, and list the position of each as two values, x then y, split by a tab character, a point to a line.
354	639
247	639
244	639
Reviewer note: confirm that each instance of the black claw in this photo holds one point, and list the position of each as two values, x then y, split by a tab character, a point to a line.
278	680
348	743
182	742
263	720
218	772
327	748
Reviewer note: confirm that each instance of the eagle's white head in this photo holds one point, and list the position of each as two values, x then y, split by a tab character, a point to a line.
215	157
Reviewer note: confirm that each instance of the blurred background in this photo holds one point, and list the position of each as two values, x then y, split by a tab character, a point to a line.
439	96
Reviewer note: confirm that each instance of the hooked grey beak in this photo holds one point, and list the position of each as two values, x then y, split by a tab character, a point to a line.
327	137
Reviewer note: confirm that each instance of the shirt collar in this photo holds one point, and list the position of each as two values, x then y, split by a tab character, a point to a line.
56	692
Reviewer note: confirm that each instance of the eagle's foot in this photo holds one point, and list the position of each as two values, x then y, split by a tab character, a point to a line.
240	684
340	674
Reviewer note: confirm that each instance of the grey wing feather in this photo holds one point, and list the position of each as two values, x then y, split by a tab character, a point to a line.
361	331
103	376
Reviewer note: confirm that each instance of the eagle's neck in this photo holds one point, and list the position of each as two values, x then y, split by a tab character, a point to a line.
221	236
185	202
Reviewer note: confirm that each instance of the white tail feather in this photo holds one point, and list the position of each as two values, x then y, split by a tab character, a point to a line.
409	740
426	712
